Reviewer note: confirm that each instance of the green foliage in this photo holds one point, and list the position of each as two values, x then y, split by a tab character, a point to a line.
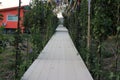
104	23
40	23
76	22
7	64
2	40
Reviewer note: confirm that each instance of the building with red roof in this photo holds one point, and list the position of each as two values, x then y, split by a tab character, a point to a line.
10	18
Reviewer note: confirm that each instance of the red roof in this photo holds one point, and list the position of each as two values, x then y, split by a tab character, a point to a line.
11	8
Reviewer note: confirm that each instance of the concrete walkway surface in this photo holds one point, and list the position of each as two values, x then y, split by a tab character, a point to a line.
59	60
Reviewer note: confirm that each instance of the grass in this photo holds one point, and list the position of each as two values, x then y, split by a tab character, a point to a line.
109	56
7	59
7	65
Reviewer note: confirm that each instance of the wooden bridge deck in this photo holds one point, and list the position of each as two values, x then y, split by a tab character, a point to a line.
59	60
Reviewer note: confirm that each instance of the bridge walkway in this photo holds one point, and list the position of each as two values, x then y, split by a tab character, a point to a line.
59	60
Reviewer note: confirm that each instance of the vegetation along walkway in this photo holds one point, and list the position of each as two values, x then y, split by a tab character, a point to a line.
59	60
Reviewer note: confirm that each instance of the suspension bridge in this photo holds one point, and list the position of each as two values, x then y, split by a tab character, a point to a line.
59	60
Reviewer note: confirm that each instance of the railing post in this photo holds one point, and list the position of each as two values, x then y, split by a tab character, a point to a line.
88	33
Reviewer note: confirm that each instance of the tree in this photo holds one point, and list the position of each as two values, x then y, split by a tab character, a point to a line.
104	23
1	36
41	22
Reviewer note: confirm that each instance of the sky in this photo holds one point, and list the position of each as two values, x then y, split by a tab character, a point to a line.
12	3
59	15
